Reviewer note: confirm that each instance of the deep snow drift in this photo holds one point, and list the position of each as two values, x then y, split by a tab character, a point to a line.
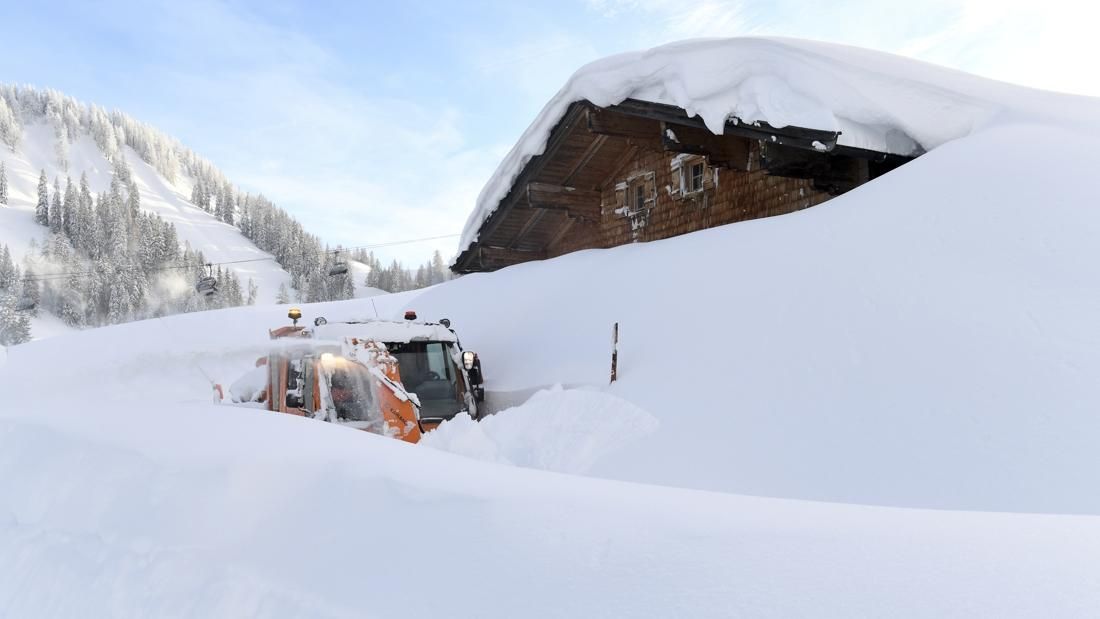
557	430
127	493
927	340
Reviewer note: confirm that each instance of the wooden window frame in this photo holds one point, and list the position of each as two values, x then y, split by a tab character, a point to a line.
683	168
641	194
639	198
692	188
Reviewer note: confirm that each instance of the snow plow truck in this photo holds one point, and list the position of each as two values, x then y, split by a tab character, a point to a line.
395	378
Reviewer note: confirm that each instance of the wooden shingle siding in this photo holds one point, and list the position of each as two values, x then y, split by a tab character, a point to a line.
738	196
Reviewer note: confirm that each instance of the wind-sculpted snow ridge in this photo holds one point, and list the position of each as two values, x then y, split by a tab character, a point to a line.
877	101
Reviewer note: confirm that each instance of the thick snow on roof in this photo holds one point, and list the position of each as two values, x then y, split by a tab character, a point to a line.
877	101
385	331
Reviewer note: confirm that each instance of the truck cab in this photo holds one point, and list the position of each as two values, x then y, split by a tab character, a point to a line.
376	375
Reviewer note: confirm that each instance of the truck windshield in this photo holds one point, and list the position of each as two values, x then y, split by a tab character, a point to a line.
350	389
428	370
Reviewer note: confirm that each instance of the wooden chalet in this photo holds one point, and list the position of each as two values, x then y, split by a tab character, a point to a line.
641	171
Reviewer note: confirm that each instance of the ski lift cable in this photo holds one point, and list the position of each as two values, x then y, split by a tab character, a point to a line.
48	277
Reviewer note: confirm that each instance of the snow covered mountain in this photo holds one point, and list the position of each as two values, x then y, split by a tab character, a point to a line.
44	132
921	353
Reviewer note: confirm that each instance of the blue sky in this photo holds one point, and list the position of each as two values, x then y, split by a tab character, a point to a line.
373	122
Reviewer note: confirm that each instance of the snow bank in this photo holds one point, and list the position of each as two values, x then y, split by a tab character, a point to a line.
158	508
877	101
249	386
556	430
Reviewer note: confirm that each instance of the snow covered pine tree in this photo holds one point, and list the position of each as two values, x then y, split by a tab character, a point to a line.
3	184
42	208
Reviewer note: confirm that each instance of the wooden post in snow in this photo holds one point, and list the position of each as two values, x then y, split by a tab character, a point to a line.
615	352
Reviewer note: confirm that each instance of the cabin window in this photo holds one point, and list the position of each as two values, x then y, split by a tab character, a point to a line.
638	195
695	178
691	171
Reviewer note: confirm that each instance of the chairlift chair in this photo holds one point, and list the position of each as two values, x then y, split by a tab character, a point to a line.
208	284
25	304
340	267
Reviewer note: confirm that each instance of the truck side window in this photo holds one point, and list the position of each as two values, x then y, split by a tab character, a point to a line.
437	360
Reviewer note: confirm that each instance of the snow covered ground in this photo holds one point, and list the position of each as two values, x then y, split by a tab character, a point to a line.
127	493
928	340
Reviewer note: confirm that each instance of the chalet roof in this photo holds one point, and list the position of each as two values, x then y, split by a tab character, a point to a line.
862	102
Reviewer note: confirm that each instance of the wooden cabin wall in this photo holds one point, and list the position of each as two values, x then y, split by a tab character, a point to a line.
579	235
737	196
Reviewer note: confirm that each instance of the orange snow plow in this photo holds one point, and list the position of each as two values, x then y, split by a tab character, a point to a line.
395	378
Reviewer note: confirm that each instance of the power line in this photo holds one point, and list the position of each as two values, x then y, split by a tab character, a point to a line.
407	241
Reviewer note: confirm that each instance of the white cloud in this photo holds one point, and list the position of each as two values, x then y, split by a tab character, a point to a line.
354	166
